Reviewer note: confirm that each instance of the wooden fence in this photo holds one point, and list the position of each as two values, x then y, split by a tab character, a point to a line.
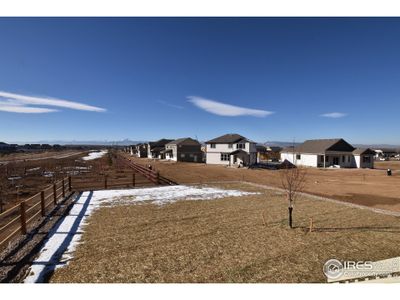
104	182
20	218
153	175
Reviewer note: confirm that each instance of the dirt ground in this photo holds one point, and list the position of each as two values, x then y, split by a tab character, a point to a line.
371	187
31	176
226	240
17	157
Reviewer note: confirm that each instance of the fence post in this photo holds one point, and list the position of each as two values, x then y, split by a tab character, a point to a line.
105	182
158	177
42	204
63	188
69	183
55	193
133	179
23	217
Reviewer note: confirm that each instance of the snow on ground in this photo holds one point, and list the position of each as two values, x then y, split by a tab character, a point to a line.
94	155
64	237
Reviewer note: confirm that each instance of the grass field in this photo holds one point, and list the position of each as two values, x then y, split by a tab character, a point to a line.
226	240
360	186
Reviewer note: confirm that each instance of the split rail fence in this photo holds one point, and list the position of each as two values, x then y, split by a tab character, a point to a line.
21	218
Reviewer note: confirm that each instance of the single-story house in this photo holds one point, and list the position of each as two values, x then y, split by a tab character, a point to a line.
231	150
184	149
328	153
154	148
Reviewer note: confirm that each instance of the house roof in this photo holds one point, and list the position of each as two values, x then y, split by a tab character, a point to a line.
321	146
228	139
156	149
184	141
360	151
238	151
166	151
159	143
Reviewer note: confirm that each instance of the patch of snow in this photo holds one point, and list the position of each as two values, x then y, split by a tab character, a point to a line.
33	169
12	178
164	195
64	237
95	155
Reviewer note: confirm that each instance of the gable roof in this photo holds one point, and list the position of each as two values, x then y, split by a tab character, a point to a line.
228	139
321	146
159	143
185	141
360	151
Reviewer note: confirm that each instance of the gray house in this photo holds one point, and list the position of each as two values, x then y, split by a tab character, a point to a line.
325	153
139	150
184	149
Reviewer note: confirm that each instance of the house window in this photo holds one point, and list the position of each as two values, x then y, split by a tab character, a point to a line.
348	158
212	146
343	158
182	155
298	156
240	146
224	156
230	146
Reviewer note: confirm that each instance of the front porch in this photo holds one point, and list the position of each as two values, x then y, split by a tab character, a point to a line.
337	160
239	158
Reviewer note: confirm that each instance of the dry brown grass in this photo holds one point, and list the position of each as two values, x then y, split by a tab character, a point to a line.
361	186
225	241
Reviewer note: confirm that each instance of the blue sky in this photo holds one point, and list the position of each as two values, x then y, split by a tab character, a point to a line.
148	78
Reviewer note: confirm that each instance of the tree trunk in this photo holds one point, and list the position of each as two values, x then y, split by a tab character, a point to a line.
290	217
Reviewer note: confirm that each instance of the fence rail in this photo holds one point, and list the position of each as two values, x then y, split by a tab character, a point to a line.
152	175
20	218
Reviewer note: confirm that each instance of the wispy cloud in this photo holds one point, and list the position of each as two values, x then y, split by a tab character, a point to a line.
17	103
227	110
334	115
170	104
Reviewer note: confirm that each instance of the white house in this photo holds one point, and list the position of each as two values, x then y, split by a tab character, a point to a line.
231	150
328	153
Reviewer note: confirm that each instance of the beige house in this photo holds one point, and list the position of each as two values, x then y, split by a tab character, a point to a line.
184	149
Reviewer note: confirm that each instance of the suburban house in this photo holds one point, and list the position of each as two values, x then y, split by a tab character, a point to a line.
328	153
140	150
385	153
231	150
154	148
268	153
184	149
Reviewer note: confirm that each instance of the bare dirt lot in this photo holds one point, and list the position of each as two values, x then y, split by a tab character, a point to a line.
226	240
371	187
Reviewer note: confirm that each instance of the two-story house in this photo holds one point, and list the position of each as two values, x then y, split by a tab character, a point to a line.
154	148
231	150
184	149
